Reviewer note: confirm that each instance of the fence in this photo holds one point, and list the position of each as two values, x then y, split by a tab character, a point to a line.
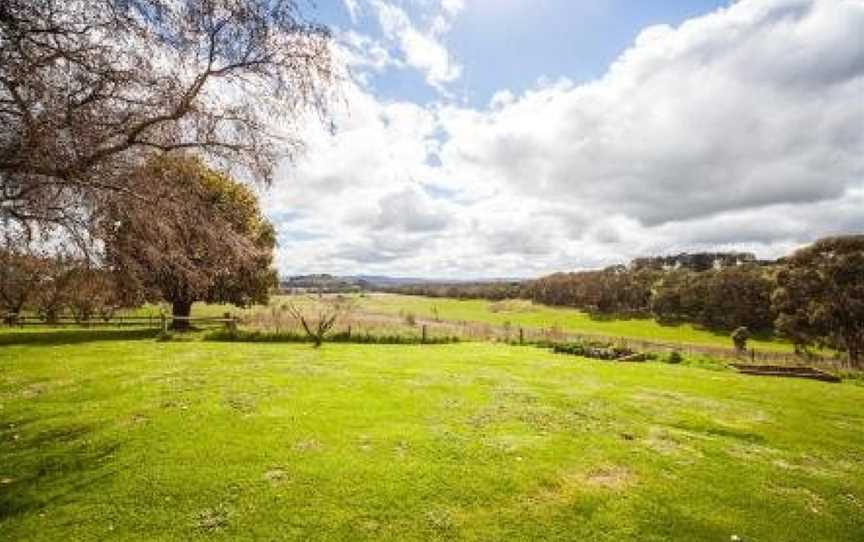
157	321
360	320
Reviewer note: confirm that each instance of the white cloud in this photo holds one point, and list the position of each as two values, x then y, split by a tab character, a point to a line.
741	129
353	7
453	7
422	50
363	53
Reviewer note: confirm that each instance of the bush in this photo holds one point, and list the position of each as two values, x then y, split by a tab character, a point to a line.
674	358
292	337
593	350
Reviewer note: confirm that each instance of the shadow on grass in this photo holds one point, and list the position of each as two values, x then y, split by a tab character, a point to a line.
48	467
73	336
759	335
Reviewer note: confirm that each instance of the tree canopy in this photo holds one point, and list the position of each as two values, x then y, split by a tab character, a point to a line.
820	295
198	235
89	87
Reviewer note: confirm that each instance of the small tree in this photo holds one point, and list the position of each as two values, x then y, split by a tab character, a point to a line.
740	337
820	296
22	274
53	295
320	317
90	293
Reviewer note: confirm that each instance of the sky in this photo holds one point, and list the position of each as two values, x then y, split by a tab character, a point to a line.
515	138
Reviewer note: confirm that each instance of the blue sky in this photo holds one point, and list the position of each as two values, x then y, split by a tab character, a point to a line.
483	138
511	44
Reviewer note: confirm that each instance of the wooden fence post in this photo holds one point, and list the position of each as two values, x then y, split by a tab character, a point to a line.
521	336
424	334
753	355
349	331
164	325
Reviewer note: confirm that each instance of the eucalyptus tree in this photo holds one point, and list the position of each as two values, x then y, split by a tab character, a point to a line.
820	296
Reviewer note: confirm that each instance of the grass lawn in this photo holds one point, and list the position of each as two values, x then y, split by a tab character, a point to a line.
126	438
524	313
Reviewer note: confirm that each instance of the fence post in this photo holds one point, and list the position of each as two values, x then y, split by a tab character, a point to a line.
521	336
753	355
424	334
164	325
230	322
349	331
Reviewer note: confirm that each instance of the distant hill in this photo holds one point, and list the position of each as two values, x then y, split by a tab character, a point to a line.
362	282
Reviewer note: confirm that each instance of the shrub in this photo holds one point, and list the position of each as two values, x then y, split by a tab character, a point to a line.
292	337
674	358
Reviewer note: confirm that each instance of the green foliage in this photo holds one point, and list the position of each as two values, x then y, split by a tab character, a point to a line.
344	337
820	296
725	298
602	351
740	337
674	357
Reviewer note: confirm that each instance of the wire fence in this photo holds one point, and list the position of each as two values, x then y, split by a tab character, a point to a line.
372	323
157	321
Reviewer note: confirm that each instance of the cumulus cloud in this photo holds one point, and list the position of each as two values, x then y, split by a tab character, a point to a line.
684	124
422	50
740	129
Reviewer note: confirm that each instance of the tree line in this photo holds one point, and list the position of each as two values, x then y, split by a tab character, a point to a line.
813	297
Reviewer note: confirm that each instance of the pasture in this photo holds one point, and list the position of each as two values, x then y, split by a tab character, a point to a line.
513	313
111	435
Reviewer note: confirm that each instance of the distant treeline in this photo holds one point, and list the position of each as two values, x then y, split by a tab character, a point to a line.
722	297
722	291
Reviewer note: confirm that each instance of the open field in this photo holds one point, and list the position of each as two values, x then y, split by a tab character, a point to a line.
126	438
525	313
516	313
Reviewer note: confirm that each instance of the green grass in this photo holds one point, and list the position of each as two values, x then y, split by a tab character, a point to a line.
523	313
126	438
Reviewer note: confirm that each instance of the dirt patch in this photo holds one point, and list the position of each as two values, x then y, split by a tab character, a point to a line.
33	390
211	519
276	477
308	445
243	403
615	478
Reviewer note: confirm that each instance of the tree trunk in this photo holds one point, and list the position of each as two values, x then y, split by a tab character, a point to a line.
181	308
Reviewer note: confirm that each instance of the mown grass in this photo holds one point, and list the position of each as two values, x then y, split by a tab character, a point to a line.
133	439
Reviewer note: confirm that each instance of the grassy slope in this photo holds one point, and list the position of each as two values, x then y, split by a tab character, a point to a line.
138	440
541	316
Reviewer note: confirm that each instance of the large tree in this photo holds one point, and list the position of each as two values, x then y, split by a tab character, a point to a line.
820	296
198	235
87	87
